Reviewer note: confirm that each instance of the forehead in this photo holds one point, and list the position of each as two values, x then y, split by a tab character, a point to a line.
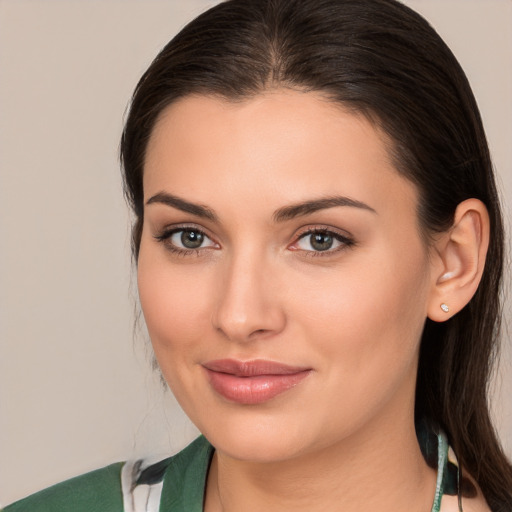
280	146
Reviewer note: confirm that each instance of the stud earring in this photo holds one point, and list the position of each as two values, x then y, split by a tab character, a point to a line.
445	307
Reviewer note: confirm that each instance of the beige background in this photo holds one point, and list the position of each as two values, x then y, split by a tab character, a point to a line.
76	390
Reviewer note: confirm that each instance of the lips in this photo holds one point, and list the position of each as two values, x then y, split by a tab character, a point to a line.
252	382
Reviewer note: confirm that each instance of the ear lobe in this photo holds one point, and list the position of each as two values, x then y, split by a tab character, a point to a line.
459	260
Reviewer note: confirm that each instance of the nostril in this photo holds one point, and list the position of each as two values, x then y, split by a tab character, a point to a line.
258	332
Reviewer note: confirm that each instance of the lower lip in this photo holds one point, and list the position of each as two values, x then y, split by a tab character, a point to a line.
255	389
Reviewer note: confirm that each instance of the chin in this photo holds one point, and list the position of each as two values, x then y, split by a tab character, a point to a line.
259	438
259	449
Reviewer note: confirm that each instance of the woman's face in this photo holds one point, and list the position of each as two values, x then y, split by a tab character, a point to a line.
281	273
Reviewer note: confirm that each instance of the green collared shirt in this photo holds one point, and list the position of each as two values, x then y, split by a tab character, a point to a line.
175	484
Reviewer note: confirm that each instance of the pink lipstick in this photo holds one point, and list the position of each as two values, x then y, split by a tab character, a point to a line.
252	382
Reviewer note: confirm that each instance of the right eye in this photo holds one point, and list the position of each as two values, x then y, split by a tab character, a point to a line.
183	240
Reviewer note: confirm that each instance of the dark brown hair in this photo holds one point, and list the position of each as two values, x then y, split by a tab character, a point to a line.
381	59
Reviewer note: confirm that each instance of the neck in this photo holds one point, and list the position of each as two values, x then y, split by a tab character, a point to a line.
367	471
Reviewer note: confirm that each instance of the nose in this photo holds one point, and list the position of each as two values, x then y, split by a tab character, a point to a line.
248	305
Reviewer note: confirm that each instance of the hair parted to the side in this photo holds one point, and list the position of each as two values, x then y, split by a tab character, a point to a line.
381	59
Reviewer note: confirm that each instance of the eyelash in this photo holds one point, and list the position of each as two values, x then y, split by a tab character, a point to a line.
165	238
345	241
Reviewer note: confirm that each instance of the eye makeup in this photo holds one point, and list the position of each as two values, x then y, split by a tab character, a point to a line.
317	241
186	240
323	241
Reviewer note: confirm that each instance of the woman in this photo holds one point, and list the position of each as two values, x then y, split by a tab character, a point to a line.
319	249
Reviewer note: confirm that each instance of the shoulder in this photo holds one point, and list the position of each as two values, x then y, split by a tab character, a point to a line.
96	491
130	487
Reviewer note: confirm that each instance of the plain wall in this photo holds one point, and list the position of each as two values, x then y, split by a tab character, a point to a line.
76	387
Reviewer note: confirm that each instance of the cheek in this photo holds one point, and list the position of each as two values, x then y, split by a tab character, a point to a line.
368	318
172	300
173	303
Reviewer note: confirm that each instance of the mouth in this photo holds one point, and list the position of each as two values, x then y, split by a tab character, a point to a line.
252	382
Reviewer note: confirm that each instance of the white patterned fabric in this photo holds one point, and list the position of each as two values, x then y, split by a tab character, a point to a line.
140	495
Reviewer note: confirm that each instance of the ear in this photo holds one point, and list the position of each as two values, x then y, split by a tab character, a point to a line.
458	261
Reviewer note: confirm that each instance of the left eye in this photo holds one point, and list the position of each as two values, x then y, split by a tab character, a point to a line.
321	241
190	239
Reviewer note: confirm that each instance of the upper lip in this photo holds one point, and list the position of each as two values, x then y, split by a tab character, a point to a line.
252	368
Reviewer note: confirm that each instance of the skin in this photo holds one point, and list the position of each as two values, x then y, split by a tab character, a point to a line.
258	289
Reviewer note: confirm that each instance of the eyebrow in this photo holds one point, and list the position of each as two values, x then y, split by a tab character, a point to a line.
280	215
308	207
185	206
